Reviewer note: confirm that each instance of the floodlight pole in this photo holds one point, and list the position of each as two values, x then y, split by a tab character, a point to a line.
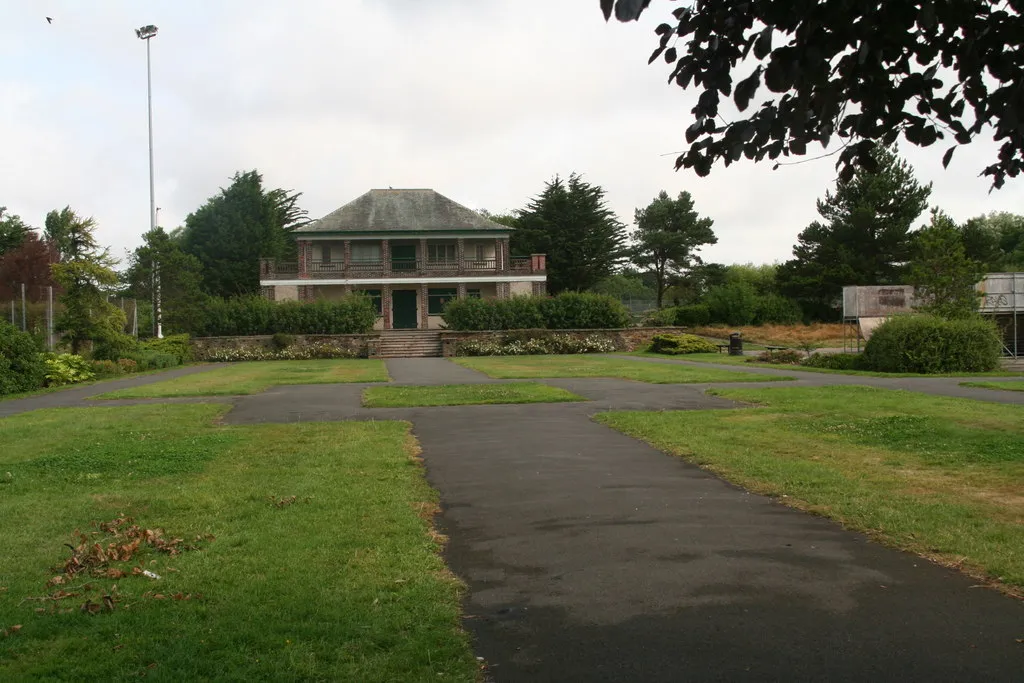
146	33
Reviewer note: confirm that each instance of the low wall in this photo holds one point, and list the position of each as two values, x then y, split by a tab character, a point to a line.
362	345
625	339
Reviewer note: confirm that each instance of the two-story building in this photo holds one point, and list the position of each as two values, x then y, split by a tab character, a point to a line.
412	251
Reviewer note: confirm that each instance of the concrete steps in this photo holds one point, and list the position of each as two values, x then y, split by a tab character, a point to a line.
410	344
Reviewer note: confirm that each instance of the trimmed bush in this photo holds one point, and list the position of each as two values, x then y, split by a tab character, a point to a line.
696	315
21	366
567	311
833	361
781	357
535	342
253	315
930	345
678	344
153	360
66	368
175	344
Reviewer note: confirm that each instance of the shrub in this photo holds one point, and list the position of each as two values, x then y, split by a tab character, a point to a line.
469	314
926	344
175	344
253	315
732	304
153	360
665	317
517	313
678	344
105	367
310	351
127	365
695	315
281	341
777	309
114	346
833	361
782	357
21	366
535	344
66	368
584	311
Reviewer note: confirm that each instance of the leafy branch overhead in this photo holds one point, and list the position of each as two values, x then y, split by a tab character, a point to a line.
861	73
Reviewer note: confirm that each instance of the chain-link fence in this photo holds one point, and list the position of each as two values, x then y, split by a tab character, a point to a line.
36	308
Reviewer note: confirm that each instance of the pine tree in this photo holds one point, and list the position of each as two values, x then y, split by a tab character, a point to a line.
570	222
865	238
942	273
668	235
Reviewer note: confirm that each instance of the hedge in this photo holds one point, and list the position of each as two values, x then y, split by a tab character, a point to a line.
926	344
21	366
253	315
567	311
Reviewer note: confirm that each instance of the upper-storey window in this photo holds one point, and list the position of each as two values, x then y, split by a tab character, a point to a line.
366	251
441	252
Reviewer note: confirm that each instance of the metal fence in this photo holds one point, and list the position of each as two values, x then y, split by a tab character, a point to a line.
36	308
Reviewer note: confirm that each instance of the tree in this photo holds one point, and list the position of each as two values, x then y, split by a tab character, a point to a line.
668	236
570	222
865	239
70	234
180	279
13	230
996	240
84	275
862	72
942	274
28	263
234	229
761	277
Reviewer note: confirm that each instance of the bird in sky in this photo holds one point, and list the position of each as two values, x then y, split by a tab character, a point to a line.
49	20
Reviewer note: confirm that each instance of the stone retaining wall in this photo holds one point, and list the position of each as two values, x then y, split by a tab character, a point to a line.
625	339
361	345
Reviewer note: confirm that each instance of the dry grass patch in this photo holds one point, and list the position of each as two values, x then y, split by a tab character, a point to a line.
822	335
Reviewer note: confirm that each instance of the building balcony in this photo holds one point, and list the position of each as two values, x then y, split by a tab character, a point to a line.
272	269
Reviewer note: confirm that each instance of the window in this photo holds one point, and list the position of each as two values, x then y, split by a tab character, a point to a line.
441	252
479	252
325	253
366	252
374	295
437	298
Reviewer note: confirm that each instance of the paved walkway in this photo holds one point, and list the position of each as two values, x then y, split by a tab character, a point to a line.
590	556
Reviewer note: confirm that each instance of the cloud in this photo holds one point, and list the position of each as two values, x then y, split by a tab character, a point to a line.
482	100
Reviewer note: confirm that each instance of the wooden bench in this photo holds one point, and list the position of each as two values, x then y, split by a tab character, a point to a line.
722	347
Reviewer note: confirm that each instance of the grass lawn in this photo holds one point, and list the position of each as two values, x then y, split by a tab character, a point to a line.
726	359
531	367
1006	386
92	382
939	476
465	394
256	376
305	551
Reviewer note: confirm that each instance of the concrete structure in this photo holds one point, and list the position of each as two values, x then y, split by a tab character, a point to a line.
1000	295
411	250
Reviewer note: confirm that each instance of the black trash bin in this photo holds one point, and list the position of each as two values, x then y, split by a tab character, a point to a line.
735	344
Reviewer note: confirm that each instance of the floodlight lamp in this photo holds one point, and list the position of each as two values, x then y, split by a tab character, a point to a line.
146	32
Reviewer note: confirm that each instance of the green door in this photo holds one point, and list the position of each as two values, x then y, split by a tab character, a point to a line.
403	305
403	258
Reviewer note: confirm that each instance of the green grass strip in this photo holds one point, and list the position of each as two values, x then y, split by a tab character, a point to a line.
316	559
532	367
1005	386
465	394
254	377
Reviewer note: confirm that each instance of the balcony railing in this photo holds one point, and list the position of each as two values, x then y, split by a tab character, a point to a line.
271	269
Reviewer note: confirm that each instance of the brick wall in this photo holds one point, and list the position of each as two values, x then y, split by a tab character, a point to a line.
625	339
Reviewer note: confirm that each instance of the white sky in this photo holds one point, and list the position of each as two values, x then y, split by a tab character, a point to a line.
481	100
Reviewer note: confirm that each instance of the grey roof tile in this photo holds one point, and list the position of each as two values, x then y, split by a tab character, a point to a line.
402	211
